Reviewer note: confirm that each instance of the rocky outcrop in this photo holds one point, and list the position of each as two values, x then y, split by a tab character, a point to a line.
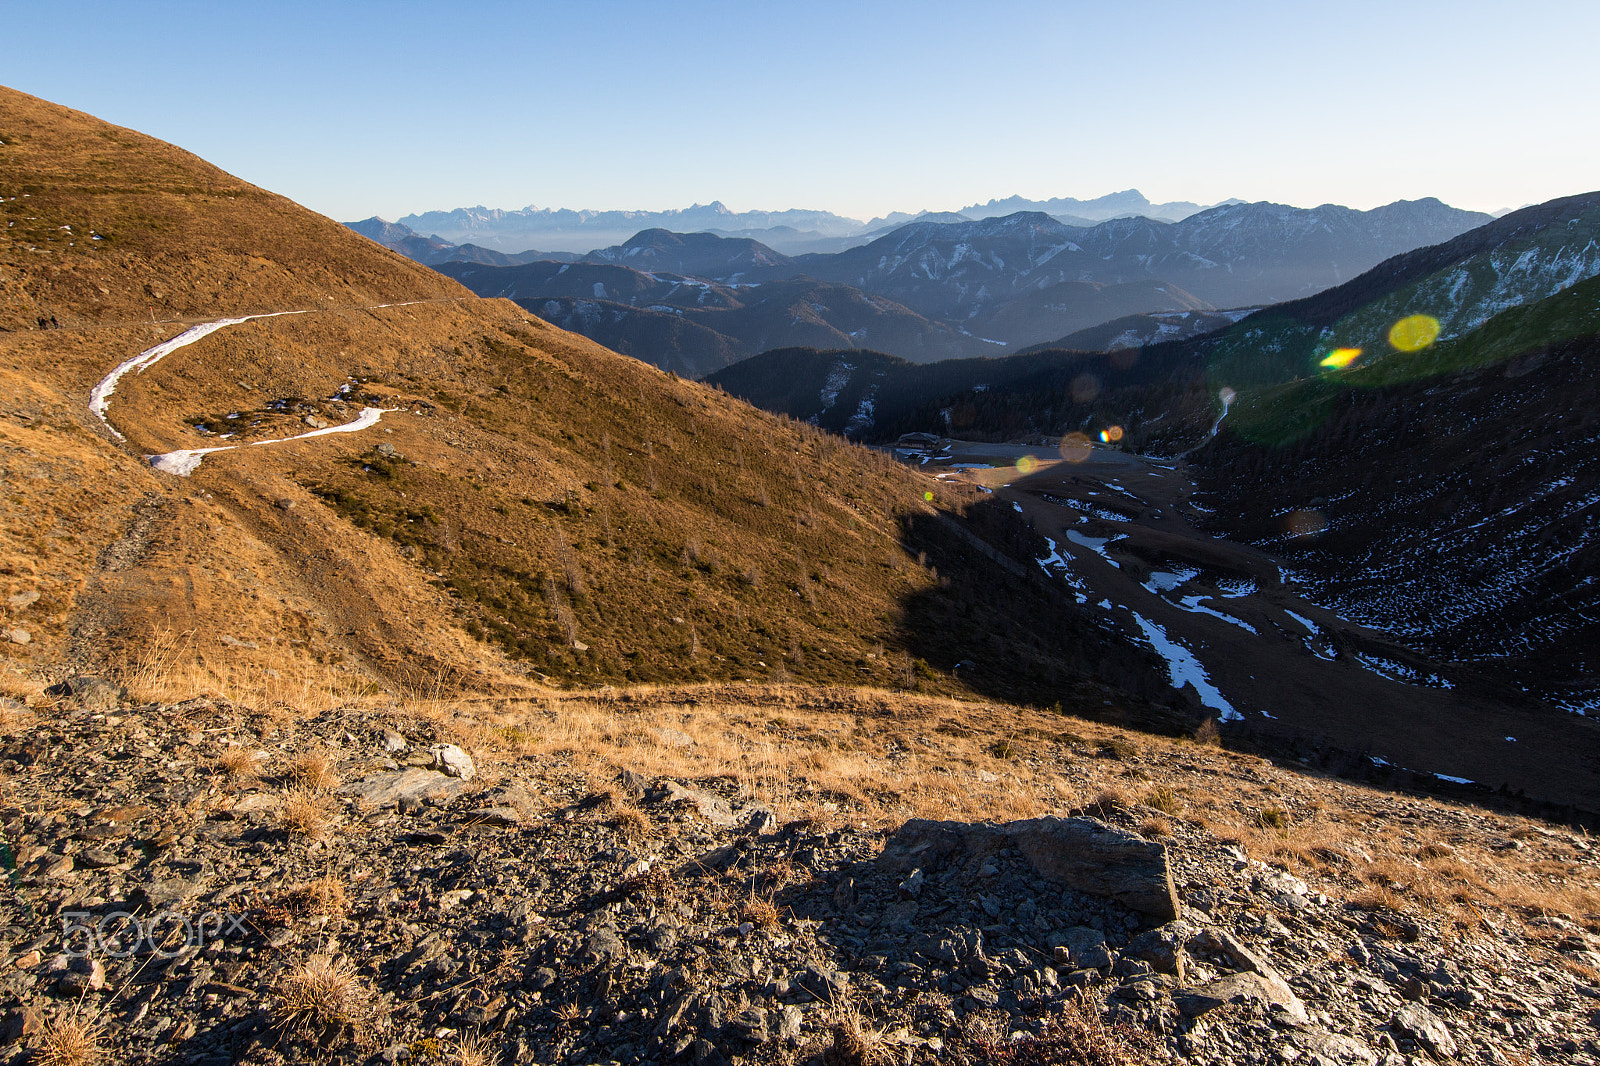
1084	854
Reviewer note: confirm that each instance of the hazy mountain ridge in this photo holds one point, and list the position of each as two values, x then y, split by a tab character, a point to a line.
432	251
1019	280
736	324
1099	209
1229	256
579	230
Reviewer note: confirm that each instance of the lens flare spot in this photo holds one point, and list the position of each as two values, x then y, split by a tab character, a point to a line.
1105	436
1085	387
1414	332
1297	524
1027	464
1076	447
1115	432
1340	358
928	496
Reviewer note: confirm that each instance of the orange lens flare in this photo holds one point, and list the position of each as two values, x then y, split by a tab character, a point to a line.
1076	447
1299	524
1340	358
1027	464
1414	332
1111	435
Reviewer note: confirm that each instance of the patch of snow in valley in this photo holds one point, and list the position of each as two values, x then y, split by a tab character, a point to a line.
838	378
1192	604
1160	581
862	419
1183	668
1094	544
1401	672
1234	587
1057	565
1303	620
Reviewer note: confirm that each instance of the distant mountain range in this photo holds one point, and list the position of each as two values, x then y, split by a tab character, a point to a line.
1124	204
793	231
568	230
942	287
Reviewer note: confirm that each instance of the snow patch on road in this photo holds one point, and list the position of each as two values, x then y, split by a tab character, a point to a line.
183	463
100	395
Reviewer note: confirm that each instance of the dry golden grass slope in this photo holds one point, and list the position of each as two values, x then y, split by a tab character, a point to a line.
531	509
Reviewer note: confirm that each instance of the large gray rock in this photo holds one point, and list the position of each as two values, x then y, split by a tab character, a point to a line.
414	783
1258	980
1163	948
1240	988
1084	854
1420	1024
712	808
1321	1048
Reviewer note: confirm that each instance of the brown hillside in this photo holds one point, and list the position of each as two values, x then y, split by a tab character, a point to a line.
539	505
178	238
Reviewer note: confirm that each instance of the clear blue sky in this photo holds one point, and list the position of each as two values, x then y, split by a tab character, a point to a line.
356	109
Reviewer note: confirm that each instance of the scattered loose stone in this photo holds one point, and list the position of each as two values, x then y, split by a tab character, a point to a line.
415	783
450	759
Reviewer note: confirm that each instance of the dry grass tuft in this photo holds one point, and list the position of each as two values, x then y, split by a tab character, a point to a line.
1155	827
1119	748
239	765
1272	818
1163	799
1077	1036
852	1043
629	822
326	1002
760	912
69	1041
313	771
473	1050
1108	800
324	897
305	814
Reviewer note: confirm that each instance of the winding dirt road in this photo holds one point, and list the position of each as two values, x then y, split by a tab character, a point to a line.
183	462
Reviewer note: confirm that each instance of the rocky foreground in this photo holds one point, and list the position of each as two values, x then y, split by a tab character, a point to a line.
202	883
